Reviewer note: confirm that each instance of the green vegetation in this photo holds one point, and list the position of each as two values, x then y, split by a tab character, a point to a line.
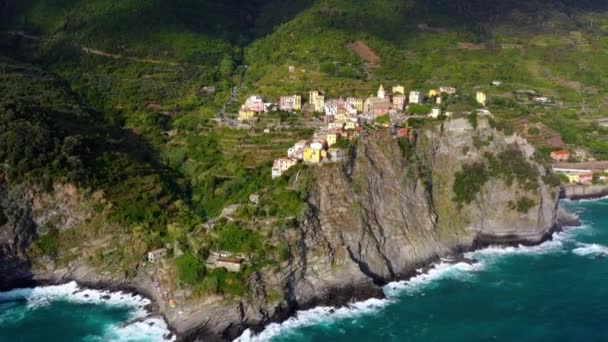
523	205
469	181
383	120
419	109
191	270
509	165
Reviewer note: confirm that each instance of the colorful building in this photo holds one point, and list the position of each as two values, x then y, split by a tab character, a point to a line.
317	101
562	155
254	103
281	165
312	156
355	102
290	103
246	115
481	98
332	138
350	125
433	93
377	106
398	101
398	89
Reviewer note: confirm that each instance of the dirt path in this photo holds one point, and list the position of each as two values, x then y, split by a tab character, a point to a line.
102	53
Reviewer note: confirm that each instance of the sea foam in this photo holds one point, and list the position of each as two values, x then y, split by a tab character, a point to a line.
321	314
141	327
462	271
585	249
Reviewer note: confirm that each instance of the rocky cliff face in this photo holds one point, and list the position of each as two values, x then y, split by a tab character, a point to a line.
377	217
382	215
390	210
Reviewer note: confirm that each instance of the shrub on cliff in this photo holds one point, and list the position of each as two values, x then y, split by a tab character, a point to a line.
191	270
469	181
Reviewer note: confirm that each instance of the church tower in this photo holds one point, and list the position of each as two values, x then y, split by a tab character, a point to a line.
381	92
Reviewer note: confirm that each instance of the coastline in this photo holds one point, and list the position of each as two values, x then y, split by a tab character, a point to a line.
336	297
152	308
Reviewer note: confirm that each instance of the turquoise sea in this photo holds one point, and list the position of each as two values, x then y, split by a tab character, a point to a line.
557	291
553	292
70	313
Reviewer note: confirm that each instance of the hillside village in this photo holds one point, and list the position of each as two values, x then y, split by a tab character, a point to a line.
345	119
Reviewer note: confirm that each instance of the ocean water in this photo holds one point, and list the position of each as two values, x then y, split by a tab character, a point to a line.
70	313
557	291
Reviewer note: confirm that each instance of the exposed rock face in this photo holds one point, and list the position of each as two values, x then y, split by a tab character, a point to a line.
378	217
382	215
385	214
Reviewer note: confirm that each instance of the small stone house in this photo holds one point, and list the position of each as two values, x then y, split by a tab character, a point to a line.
231	264
157	255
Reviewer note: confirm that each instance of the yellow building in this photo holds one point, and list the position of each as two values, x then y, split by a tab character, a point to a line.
573	178
350	125
481	98
317	101
331	138
297	102
433	93
341	116
312	156
398	89
246	115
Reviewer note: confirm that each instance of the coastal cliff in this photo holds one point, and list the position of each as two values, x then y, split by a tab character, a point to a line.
390	209
394	205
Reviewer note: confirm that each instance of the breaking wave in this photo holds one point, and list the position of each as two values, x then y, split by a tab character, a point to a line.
593	249
314	316
462	271
141	326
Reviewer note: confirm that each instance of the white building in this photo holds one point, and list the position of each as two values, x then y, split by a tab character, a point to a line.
541	99
415	97
447	90
435	113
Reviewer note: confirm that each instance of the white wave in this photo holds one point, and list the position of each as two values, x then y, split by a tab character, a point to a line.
71	292
150	329
460	271
556	244
568	200
593	249
314	316
142	328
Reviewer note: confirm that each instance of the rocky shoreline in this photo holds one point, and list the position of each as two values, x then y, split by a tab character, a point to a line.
335	297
